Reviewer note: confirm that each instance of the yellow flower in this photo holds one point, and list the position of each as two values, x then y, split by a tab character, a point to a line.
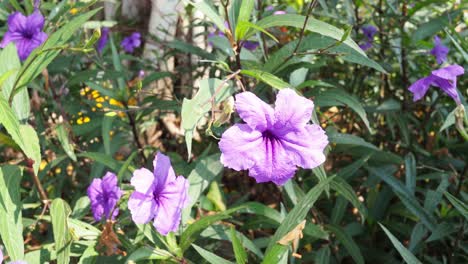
74	11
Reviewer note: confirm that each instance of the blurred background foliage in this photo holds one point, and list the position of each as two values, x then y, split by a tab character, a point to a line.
400	167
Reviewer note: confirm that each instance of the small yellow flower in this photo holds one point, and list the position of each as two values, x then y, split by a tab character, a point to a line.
42	165
74	11
99	105
112	101
100	99
58	170
132	101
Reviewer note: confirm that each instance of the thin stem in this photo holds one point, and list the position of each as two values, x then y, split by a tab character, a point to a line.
309	11
135	134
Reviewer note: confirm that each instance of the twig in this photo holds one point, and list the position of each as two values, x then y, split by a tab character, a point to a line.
309	11
135	133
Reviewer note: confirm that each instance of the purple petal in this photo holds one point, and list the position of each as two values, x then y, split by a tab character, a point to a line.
306	146
439	51
144	181
171	202
10	37
142	207
450	72
250	45
103	39
420	87
17	22
448	86
96	197
35	22
163	172
292	111
272	162
366	45
239	145
256	113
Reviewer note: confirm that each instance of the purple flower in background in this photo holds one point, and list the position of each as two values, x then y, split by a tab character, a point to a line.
269	8
104	194
279	12
131	42
250	45
26	32
158	195
102	42
439	51
445	79
273	142
369	32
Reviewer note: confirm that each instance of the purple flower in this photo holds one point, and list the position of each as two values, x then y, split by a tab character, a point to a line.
369	32
269	8
104	195
279	12
439	51
103	39
250	45
273	142
26	32
131	42
445	79
158	195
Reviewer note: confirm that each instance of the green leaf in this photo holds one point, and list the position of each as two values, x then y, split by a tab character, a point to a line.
62	136
244	26
435	25
31	145
281	59
23	135
221	232
410	176
323	255
191	49
267	78
336	97
103	159
404	252
215	196
90	255
449	121
81	207
343	188
194	109
245	11
348	243
59	212
9	71
459	205
239	251
275	251
192	232
43	56
410	202
210	257
147	253
348	139
11	225
211	13
200	178
106	128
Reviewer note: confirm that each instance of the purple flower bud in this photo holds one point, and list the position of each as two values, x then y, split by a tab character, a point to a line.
279	12
26	32
273	142
439	51
102	42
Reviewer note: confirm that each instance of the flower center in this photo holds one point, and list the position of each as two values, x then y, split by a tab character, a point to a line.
267	134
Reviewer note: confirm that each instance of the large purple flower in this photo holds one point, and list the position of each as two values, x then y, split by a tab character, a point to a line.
104	194
369	32
158	196
103	39
131	42
26	32
439	51
273	142
445	79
